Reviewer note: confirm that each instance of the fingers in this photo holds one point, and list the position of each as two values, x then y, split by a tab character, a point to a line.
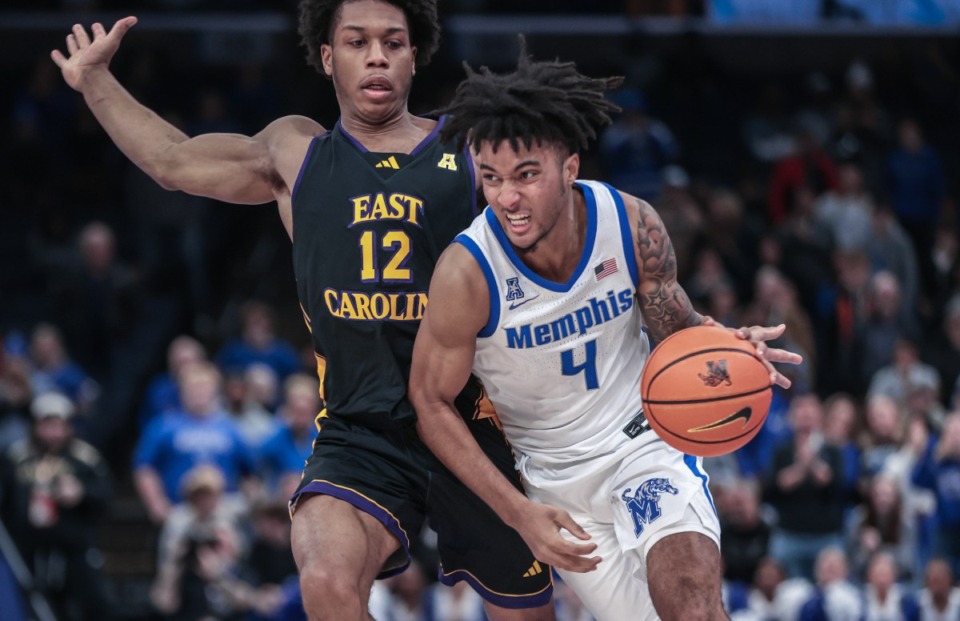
571	556
72	46
565	521
58	58
80	33
122	26
98	31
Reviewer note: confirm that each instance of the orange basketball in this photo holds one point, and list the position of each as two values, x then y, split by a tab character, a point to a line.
705	391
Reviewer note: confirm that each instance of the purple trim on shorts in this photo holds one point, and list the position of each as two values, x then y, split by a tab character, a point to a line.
533	600
303	166
366	505
434	132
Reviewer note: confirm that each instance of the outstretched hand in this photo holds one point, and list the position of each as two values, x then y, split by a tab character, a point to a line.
85	54
759	335
540	528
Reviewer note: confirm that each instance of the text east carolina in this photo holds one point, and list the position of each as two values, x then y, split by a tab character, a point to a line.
360	306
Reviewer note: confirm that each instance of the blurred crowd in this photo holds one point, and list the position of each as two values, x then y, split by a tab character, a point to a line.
152	344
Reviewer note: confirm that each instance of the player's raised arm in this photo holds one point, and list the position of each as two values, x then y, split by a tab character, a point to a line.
442	359
228	167
665	305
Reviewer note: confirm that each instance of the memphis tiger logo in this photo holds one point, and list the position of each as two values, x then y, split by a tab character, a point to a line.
716	374
644	505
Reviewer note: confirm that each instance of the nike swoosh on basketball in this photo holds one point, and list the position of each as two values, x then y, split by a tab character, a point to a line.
745	413
522	302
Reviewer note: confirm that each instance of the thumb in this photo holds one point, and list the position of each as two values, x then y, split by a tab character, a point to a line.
122	26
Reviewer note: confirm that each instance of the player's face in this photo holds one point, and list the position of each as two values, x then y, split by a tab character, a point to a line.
370	60
529	189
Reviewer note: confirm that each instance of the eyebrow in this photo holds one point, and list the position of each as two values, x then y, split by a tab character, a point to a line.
389	31
517	167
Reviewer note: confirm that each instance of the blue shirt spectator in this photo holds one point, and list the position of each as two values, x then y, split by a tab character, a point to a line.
939	470
282	455
258	343
162	393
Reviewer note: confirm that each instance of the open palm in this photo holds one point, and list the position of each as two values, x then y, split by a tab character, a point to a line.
86	54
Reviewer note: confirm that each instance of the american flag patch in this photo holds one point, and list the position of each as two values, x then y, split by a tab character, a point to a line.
605	269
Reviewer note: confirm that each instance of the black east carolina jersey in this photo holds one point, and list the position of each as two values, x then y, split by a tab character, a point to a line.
368	229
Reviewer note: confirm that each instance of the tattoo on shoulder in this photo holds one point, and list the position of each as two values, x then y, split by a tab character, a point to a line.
665	305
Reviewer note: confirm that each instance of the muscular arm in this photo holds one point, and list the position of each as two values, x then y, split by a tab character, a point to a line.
442	360
663	302
227	167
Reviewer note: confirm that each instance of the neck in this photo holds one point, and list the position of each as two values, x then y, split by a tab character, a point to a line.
556	255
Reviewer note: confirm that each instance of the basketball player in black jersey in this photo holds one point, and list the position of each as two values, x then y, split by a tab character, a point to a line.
369	205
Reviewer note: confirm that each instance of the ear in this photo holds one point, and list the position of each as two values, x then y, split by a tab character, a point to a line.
326	56
571	168
413	50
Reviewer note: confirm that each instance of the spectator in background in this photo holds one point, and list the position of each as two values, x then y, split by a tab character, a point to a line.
258	343
735	238
54	371
834	599
97	302
682	216
54	491
940	599
842	309
884	599
200	433
15	397
284	452
840	429
248	399
885	523
744	536
888	323
809	166
804	486
883	434
207	518
943	351
773	597
862	125
916	185
163	393
847	211
636	148
939	471
891	250
904	374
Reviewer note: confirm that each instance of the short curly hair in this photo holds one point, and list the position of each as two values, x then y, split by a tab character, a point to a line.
546	102
319	17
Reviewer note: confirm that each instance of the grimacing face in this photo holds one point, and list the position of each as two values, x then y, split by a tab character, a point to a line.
370	59
527	188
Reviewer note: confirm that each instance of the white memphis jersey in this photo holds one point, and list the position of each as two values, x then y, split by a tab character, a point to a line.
561	362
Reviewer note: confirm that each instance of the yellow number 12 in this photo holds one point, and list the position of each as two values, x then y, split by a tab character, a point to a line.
395	270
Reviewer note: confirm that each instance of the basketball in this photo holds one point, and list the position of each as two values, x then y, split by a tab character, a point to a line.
705	391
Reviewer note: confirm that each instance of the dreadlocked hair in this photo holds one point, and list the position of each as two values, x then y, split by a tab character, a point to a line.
545	102
318	18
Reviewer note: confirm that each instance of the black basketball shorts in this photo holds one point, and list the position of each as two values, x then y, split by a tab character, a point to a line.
391	475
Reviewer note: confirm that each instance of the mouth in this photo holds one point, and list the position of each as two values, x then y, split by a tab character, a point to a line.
376	87
518	223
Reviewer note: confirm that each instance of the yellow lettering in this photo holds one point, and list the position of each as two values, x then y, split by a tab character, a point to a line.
347	310
333	304
379	306
360	205
379	209
416	207
448	161
397	209
362	303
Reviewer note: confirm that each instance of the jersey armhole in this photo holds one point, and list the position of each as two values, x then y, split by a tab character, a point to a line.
478	255
625	235
303	166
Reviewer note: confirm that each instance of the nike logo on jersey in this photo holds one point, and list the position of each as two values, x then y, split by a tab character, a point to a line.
745	413
519	303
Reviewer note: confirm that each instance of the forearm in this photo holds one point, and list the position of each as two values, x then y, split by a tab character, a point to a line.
667	310
140	133
150	488
444	432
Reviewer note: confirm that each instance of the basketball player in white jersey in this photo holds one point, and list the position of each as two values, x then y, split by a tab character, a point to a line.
544	298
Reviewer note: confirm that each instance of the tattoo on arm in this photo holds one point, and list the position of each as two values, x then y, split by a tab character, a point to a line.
665	305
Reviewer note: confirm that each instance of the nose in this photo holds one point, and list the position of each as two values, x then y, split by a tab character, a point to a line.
508	197
375	55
